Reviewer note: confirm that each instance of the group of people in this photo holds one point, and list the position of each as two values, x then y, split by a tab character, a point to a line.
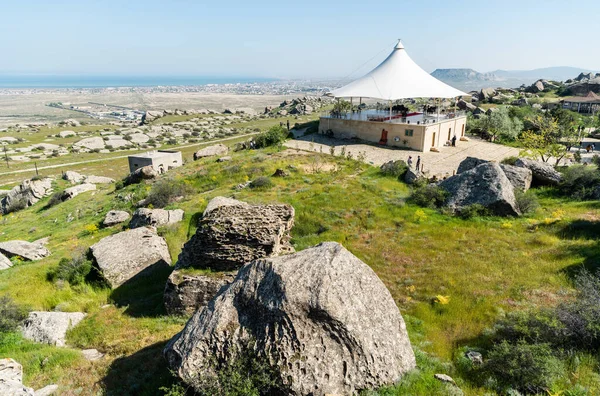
410	162
451	142
590	147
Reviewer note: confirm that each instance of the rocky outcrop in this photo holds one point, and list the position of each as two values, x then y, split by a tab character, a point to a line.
413	176
115	217
469	163
155	217
11	379
73	177
26	250
484	185
98	179
185	293
150	116
543	173
5	263
232	233
321	317
26	194
122	256
66	134
92	143
140	174
74	191
487	93
520	178
462	105
50	327
211	151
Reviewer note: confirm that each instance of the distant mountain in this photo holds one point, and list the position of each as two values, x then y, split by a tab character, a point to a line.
469	79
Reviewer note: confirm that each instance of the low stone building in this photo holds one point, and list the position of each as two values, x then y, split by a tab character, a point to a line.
160	160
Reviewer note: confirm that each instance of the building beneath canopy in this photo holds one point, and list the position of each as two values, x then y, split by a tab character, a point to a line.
589	104
398	77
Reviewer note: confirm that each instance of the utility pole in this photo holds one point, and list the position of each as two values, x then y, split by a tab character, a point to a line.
6	157
36	169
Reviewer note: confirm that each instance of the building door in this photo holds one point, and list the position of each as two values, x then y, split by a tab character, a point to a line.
462	132
433	140
449	132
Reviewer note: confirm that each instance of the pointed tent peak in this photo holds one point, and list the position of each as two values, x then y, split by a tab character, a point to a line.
399	45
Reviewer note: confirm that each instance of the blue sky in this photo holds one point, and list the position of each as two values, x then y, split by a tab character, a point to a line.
291	39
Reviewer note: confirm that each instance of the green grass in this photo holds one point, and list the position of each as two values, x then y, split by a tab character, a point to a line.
485	266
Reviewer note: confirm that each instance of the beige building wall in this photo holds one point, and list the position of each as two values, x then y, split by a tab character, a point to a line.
423	138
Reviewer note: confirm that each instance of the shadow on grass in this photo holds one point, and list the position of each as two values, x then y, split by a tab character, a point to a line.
143	294
580	229
141	373
583	230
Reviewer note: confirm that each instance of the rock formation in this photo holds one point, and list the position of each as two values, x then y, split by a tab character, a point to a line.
543	173
5	263
143	173
50	327
321	316
74	191
98	179
210	151
519	177
186	293
26	194
115	217
233	233
73	177
485	185
26	250
155	217
11	379
122	256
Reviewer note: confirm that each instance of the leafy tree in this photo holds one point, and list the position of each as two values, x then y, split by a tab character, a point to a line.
501	124
341	106
551	137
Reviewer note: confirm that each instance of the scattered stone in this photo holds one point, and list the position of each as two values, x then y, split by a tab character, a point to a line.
5	263
143	173
50	327
66	134
232	233
322	314
11	379
542	172
155	217
210	151
280	173
485	185
445	378
26	250
150	116
98	179
26	194
115	217
475	357
74	191
224	159
92	143
186	293
122	256
70	122
73	177
92	354
47	390
241	186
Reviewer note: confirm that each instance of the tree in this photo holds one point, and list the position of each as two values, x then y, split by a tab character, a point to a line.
500	124
551	138
341	106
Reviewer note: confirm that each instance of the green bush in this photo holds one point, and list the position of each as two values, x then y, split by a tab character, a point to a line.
165	191
261	182
274	136
54	200
530	369
526	201
509	160
11	314
16	205
580	182
429	196
471	211
74	270
396	169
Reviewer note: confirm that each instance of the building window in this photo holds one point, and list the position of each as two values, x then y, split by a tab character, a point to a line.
408	132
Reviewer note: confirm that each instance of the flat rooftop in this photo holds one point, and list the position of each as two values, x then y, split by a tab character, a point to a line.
155	154
412	118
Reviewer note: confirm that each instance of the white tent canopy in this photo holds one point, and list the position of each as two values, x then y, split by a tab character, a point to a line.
397	77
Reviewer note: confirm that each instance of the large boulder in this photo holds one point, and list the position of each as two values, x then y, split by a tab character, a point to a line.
469	163
152	115
122	256
26	194
98	179
210	151
115	217
73	177
155	217
50	327
485	185
91	143
413	176
543	173
26	250
143	173
520	178
321	317
232	233
186	292
487	93
11	379
5	263
74	191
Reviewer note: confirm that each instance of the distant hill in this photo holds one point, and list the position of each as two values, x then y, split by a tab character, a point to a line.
469	79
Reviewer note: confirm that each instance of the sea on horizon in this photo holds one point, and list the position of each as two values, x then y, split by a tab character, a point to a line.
83	81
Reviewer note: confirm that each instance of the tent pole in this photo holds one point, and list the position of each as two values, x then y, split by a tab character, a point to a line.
390	111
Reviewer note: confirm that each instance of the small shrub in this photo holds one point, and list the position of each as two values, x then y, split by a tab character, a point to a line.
165	191
16	205
11	314
54	200
580	182
261	182
73	270
526	201
274	136
509	160
429	196
396	168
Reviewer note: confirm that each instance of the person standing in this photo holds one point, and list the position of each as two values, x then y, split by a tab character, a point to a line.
409	162
288	125
454	141
418	162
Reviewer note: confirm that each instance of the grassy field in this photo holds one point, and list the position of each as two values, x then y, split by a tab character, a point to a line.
482	267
